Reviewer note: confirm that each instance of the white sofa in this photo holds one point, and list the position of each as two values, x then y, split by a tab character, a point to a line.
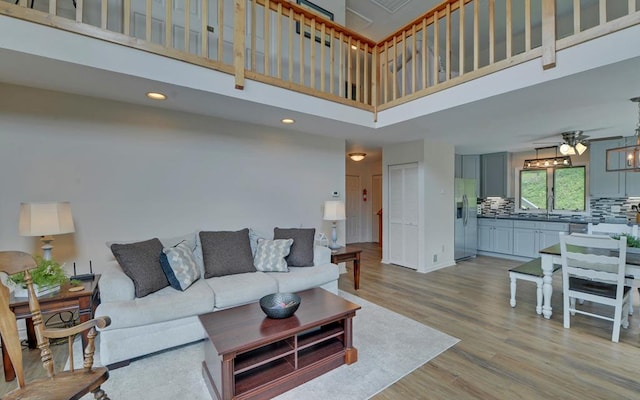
168	317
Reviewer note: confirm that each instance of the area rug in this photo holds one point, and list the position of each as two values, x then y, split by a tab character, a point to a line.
389	345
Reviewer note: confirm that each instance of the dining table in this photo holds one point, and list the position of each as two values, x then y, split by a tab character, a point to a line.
550	256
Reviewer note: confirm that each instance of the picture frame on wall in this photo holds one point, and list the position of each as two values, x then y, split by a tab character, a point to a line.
315	9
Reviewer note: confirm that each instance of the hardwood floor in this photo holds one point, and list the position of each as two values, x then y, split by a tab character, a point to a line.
501	353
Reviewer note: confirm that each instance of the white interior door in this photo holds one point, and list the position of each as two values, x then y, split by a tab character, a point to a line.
376	205
403	215
353	209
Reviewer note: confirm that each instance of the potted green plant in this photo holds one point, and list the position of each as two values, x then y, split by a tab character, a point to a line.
47	278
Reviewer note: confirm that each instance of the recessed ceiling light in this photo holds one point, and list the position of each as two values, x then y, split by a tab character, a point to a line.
288	121
156	96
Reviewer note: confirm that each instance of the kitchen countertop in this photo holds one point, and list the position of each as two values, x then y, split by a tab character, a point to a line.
555	218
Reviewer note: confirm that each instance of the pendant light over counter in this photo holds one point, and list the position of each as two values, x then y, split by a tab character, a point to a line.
630	154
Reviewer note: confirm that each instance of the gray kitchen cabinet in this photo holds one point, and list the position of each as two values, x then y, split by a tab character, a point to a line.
529	237
494	175
471	169
457	169
495	236
601	182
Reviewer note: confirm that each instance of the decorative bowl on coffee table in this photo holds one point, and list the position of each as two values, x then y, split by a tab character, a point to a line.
280	305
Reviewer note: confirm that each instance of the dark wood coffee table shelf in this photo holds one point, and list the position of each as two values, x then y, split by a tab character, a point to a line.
250	356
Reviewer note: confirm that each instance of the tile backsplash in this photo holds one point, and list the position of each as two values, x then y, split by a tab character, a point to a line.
600	207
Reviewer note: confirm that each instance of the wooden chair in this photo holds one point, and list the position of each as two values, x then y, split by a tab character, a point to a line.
72	384
593	269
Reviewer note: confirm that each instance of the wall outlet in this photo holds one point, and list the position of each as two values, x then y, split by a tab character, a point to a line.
615	209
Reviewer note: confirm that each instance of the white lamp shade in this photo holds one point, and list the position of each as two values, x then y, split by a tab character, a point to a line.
334	210
42	219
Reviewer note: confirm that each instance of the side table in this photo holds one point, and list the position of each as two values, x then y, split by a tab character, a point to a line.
349	253
85	301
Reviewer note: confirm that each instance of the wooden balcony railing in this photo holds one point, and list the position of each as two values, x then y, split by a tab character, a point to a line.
280	43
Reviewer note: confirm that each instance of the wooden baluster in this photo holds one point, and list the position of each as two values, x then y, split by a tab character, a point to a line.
436	48
38	327
357	55
447	57
204	29
301	49
126	20
374	82
53	7
187	25
461	38
367	66
385	72
476	35
402	66
221	30
576	16
414	58
323	35
349	70
103	14
291	18
527	25
254	35
603	12
632	6
148	18
267	36
168	26
425	63
394	74
492	32
238	42
341	66
548	34
279	40
508	22
312	53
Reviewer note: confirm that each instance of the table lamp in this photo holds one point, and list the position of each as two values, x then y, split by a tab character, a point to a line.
45	219
334	211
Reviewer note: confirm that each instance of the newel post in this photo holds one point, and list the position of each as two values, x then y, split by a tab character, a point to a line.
548	34
238	42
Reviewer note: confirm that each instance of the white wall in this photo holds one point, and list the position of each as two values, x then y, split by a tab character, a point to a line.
436	171
134	172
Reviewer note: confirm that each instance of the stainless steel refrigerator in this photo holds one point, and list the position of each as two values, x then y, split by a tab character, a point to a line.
466	222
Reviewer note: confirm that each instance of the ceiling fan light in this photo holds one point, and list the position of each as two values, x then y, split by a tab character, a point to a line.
564	149
571	152
580	148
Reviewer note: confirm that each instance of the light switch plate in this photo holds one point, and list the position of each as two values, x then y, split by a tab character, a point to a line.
615	209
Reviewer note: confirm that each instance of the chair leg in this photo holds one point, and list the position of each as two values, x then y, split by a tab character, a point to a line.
539	297
572	304
100	394
567	316
617	321
512	301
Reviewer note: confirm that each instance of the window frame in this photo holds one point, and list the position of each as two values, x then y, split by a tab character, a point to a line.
550	183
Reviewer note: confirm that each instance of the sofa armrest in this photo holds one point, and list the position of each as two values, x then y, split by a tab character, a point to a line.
115	285
321	255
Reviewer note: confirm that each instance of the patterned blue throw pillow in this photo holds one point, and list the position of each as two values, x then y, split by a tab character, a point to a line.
179	265
270	255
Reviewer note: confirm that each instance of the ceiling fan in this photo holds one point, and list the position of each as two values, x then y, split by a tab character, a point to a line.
575	142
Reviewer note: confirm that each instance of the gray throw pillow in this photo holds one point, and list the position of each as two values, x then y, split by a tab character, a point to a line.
226	253
141	262
301	254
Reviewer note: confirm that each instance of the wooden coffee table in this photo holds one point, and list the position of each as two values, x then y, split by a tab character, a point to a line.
250	356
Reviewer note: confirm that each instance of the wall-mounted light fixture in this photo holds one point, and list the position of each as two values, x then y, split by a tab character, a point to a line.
626	158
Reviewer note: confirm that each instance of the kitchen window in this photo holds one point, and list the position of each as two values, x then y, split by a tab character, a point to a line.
560	189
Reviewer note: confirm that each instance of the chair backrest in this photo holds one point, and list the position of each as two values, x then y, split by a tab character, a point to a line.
612	229
594	257
12	262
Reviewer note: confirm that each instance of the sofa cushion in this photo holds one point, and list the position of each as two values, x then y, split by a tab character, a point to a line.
270	255
193	241
238	289
141	262
305	278
164	305
226	253
301	254
179	266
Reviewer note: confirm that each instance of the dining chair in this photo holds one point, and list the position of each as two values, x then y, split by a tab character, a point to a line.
71	384
615	230
593	269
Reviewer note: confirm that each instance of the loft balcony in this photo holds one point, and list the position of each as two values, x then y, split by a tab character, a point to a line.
238	49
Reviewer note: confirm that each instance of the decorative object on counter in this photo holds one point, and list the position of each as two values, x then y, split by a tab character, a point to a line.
47	278
631	153
334	211
280	305
45	219
547	162
637	210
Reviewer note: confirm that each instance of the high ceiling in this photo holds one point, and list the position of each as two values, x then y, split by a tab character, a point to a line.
593	98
